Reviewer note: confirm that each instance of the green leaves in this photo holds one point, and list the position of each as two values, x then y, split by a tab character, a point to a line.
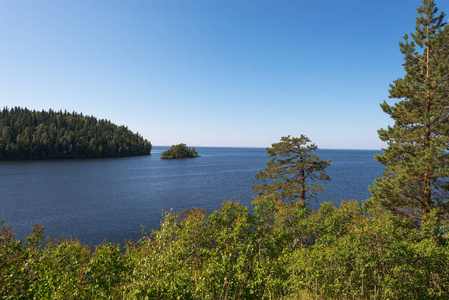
278	251
378	256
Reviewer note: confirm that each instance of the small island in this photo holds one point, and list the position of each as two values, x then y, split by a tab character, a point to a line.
179	151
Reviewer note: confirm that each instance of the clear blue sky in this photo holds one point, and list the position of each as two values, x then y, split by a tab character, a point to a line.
211	73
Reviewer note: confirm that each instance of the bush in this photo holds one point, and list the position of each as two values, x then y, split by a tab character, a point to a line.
278	251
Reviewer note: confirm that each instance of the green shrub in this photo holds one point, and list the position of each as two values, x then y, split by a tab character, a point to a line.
278	251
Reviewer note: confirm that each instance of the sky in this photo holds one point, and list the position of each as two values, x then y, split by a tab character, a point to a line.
228	73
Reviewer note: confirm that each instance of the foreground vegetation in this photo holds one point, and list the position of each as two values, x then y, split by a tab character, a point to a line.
278	251
26	134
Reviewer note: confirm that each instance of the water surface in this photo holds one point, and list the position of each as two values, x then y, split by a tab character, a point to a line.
93	199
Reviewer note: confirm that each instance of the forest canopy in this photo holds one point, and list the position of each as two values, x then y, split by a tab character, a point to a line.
29	134
179	151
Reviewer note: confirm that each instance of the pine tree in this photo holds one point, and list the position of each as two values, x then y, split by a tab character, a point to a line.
416	164
293	170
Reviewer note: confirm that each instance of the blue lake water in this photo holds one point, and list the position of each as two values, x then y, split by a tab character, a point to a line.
93	199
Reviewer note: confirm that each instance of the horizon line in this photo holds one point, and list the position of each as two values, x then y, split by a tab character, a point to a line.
255	147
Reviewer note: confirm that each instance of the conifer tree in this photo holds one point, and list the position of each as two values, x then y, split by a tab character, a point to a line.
293	170
416	164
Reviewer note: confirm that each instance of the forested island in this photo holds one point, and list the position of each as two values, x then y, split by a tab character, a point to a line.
179	151
30	134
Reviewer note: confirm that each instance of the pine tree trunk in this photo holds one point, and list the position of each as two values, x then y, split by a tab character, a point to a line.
427	191
303	186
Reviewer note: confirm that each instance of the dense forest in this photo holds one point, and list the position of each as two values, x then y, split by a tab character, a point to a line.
49	134
179	151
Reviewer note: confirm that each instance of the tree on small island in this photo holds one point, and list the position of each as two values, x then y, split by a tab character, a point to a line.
179	151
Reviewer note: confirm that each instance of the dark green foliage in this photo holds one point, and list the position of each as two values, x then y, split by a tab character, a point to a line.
416	162
293	170
28	134
179	151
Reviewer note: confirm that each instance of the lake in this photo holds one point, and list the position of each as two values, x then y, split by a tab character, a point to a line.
93	199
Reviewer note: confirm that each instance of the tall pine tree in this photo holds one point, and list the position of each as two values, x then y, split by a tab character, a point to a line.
415	180
293	171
